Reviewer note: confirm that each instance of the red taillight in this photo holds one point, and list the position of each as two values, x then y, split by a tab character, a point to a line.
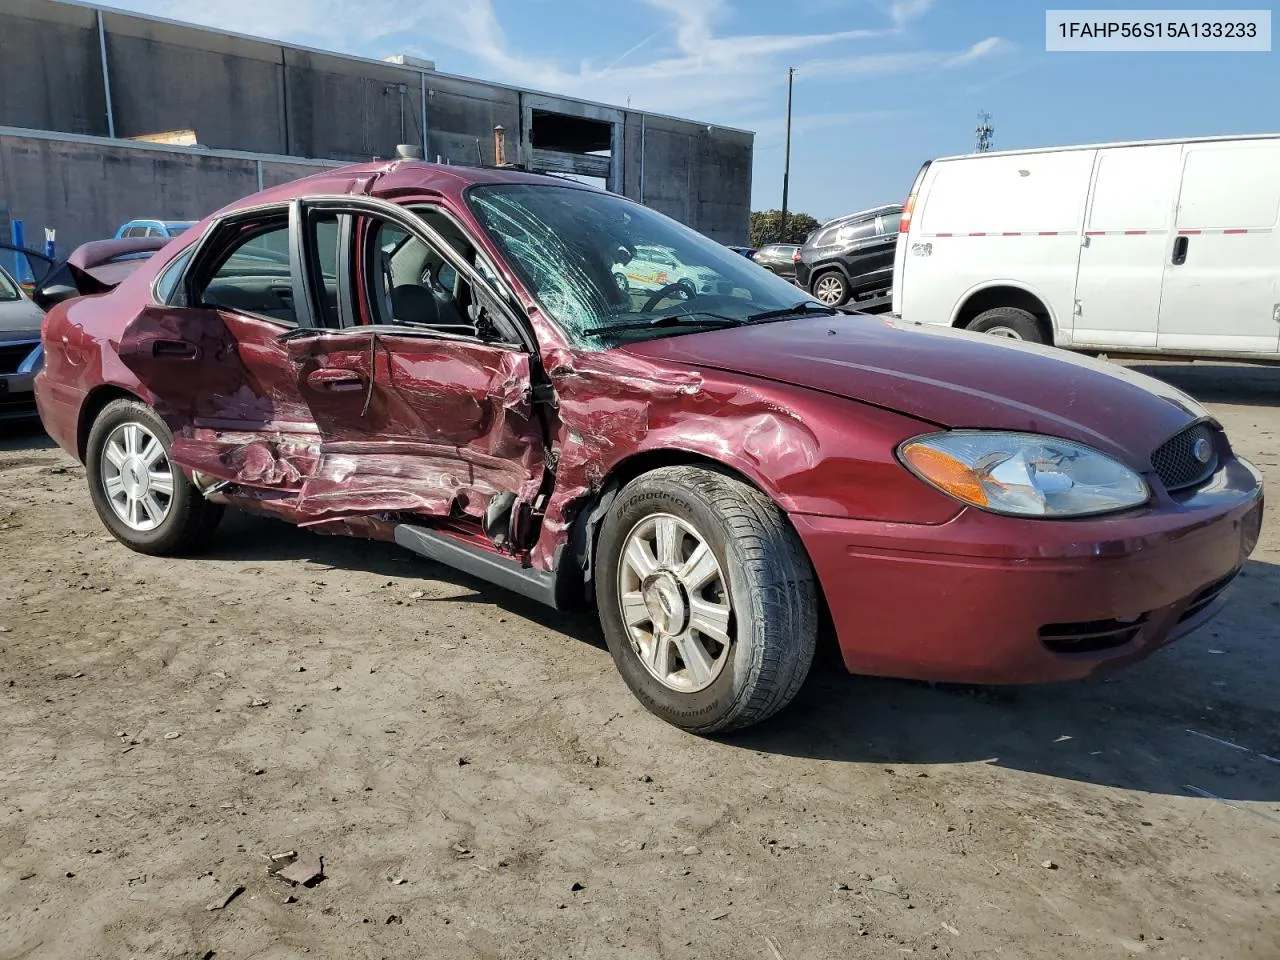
907	207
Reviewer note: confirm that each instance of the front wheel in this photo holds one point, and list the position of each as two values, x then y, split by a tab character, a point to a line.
706	598
140	495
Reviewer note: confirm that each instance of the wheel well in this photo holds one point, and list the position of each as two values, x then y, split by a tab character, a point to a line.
993	297
93	405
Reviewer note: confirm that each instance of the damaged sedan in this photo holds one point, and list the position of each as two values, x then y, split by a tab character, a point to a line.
443	358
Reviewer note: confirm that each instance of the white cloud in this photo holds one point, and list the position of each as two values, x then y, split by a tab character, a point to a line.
983	48
907	61
703	70
904	11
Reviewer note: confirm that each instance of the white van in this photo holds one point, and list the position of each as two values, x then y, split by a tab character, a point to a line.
1160	247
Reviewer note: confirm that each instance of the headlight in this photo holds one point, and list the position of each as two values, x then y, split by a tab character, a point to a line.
1023	474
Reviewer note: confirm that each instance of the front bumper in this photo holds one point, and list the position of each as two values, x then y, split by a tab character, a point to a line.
989	599
17	396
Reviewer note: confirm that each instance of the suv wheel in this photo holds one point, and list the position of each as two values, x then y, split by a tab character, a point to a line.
706	598
831	288
140	495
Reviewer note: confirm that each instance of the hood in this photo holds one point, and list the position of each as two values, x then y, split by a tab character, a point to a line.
19	319
951	378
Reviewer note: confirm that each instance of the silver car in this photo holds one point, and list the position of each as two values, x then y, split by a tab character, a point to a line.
20	352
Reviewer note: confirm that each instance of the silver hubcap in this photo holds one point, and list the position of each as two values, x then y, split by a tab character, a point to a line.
1007	332
829	290
675	603
137	477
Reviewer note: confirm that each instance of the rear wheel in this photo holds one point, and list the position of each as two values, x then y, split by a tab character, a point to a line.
706	598
831	288
140	495
1012	323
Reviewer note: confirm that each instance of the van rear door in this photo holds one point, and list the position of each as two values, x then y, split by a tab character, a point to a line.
904	230
1222	274
1126	236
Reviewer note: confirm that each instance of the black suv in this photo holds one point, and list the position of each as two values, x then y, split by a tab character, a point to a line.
851	258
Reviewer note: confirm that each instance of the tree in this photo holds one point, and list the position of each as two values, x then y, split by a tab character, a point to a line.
766	227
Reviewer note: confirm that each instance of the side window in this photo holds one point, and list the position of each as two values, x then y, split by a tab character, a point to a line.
253	276
857	231
409	283
136	232
168	281
8	291
156	232
891	224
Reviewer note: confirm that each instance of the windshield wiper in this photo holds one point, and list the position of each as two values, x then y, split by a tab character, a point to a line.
804	306
711	320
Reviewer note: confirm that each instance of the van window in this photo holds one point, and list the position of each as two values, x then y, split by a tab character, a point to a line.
1020	192
1230	185
1135	188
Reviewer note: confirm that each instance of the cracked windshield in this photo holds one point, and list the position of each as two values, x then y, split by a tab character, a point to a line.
610	271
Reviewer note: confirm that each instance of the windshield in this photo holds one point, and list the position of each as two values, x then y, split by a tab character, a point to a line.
610	271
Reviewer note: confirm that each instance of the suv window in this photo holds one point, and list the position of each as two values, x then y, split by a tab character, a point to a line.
254	276
856	231
890	223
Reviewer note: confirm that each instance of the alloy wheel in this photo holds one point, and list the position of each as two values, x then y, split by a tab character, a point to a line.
830	290
137	476
674	601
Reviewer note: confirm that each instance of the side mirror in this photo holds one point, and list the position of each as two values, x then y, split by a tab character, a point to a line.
51	294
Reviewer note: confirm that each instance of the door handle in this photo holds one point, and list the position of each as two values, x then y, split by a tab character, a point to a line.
335	379
1180	250
174	350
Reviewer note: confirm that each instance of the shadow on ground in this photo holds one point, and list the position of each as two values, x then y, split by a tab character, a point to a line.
1213	382
1162	726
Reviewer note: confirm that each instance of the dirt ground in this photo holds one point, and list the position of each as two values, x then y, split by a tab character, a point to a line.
481	784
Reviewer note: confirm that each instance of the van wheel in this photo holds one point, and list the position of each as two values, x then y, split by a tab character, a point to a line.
140	494
1011	323
706	598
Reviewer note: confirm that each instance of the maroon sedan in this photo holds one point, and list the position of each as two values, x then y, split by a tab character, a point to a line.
444	358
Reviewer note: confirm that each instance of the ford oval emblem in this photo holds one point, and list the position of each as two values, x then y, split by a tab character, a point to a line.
1203	450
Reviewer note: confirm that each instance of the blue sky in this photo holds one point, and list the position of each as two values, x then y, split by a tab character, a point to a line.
881	85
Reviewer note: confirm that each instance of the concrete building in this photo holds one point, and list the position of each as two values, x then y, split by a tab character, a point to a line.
92	102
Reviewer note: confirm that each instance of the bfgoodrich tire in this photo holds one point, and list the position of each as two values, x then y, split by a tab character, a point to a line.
142	497
1009	322
706	598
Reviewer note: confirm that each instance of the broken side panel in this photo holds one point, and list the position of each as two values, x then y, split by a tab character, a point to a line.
413	423
225	385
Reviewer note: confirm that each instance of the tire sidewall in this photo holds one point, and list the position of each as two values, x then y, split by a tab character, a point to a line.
708	707
1014	318
115	415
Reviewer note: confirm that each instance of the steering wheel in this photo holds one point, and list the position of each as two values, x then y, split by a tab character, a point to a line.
680	286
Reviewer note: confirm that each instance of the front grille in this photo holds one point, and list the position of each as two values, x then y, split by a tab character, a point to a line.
1176	462
1206	596
12	355
1090	636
